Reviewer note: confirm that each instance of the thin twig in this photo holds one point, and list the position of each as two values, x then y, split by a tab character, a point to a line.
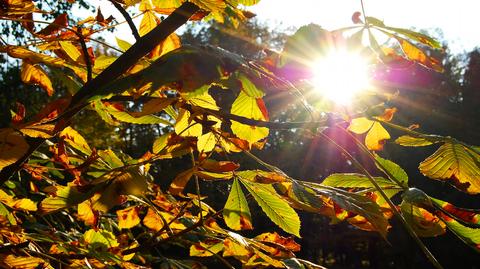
127	18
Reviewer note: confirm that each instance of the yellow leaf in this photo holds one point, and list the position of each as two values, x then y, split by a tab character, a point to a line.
38	130
234	249
360	125
149	21
87	214
19	262
12	147
168	44
100	239
155	222
375	137
206	142
103	61
248	107
453	161
153	106
34	74
187	127
215	6
75	140
124	45
202	249
128	217
71	50
416	54
25	204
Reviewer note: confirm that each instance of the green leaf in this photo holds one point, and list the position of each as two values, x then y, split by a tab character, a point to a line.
100	239
236	212
353	180
470	236
249	88
70	49
248	107
124	45
419	37
277	209
410	141
393	169
65	197
454	161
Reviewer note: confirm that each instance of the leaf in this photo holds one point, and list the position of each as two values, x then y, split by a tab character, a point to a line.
180	181
38	130
125	116
103	61
19	262
247	106
202	249
71	50
376	133
352	180
185	126
410	141
34	74
393	169
206	142
423	222
153	106
278	210
128	217
155	222
470	216
215	6
160	143
419	37
124	45
12	147
58	24
100	239
64	197
285	242
87	214
231	248
76	140
236	212
470	236
418	55
249	88
170	43
148	22
455	162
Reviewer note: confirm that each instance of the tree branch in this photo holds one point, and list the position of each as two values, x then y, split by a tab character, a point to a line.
127	18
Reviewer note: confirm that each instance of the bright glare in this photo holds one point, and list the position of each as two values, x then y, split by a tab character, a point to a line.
340	75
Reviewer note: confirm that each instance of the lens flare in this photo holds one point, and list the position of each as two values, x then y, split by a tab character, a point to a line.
340	75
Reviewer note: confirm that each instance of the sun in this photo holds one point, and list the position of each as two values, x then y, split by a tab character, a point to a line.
340	75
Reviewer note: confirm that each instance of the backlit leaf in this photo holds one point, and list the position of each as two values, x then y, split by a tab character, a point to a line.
247	106
202	249
470	236
352	180
278	210
236	212
149	21
128	217
160	143
87	214
418	55
455	162
125	116
75	140
410	141
71	50
19	262
100	239
393	169
153	221
207	142
376	133
124	45
34	74
180	181
423	222
12	147
38	130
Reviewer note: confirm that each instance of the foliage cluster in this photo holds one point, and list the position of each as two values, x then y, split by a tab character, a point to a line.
63	202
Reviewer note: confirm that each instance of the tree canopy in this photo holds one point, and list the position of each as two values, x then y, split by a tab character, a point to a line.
204	127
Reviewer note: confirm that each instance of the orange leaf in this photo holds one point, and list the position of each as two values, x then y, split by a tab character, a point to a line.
34	74
180	181
128	217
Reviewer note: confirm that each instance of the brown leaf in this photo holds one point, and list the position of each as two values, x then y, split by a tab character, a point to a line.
59	23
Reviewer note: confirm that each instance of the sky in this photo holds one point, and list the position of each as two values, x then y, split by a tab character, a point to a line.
459	20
